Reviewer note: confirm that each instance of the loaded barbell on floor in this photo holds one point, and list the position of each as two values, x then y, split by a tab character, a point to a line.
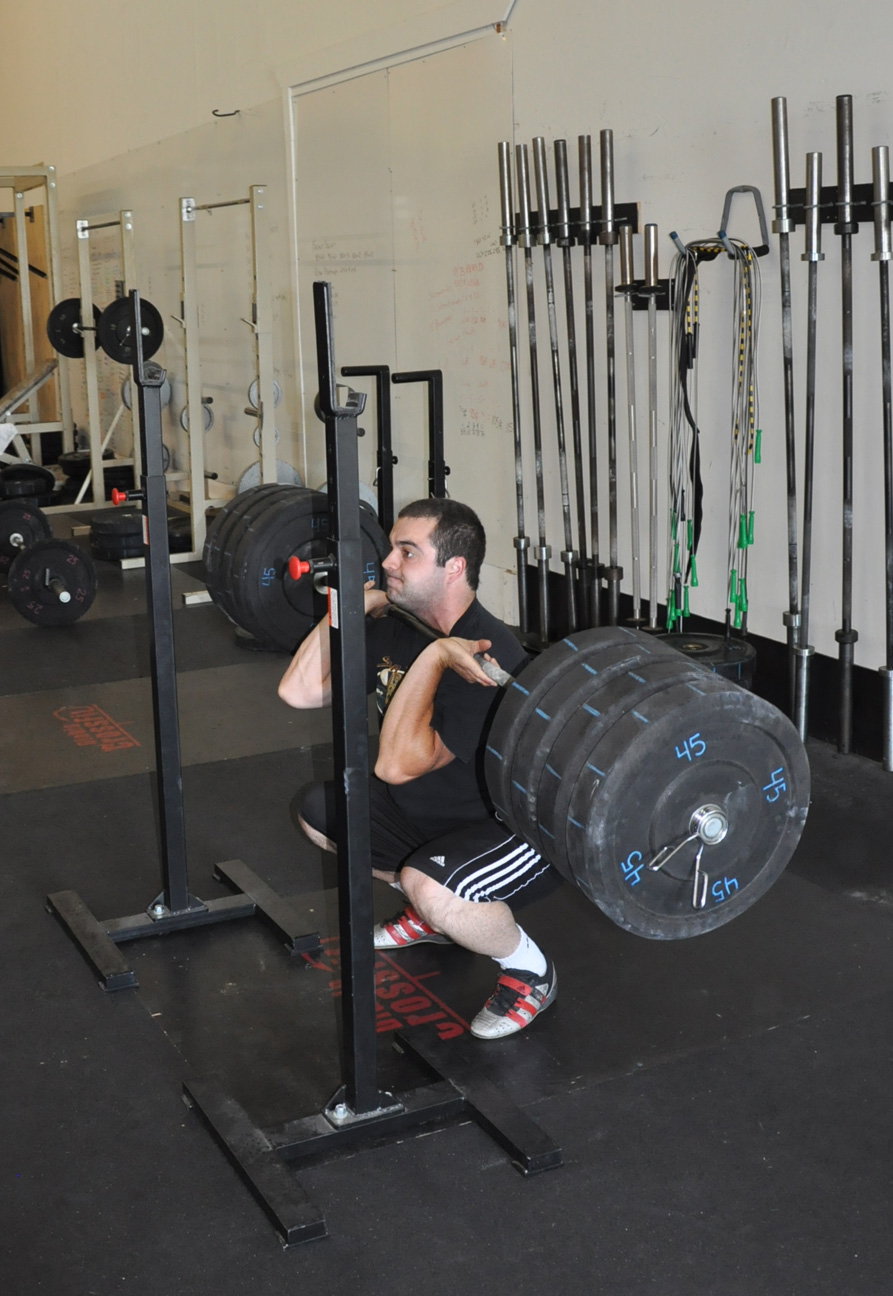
51	582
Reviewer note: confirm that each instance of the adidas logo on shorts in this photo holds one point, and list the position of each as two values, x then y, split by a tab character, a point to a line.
438	859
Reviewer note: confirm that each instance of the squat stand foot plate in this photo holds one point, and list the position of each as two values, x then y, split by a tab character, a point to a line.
260	1155
98	939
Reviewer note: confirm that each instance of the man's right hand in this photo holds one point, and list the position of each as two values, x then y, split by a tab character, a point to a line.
375	600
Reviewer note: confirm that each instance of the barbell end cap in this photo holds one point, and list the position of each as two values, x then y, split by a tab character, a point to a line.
298	567
791	620
122	497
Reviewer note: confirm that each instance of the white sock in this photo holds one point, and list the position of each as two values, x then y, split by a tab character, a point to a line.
528	957
397	887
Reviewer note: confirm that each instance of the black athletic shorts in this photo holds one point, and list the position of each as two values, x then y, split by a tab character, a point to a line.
479	861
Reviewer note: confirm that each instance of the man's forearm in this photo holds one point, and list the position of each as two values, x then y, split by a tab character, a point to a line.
307	682
409	747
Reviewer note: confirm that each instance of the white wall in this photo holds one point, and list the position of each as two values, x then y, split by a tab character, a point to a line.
119	98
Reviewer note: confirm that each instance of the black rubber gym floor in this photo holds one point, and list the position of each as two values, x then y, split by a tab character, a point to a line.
722	1102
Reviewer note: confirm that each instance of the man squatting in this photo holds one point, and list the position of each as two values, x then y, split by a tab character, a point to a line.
434	835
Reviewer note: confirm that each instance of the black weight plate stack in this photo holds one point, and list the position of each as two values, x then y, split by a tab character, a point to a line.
523	696
246	559
27	481
605	779
223	537
732	658
276	610
553	696
696	744
589	717
53	583
21	525
117	534
76	463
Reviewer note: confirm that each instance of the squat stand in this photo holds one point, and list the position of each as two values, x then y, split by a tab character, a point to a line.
358	1110
175	907
385	457
437	468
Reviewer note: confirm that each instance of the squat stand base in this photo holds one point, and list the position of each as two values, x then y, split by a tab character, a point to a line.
99	939
261	1156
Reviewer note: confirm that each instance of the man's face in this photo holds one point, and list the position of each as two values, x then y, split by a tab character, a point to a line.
415	581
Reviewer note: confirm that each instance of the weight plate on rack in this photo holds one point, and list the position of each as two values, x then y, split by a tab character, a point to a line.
115	330
254	392
207	417
285	474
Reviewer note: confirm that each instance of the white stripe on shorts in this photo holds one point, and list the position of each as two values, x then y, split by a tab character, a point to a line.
497	873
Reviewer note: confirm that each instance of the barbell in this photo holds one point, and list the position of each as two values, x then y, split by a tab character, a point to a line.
667	794
50	582
112	329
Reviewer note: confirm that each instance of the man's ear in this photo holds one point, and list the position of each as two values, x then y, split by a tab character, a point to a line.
456	567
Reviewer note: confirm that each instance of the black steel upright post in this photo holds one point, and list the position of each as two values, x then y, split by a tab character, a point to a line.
168	769
385	458
437	467
349	726
846	227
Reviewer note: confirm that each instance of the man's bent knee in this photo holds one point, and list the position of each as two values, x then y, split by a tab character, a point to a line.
318	838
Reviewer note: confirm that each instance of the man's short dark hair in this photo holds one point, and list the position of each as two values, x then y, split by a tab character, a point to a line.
459	533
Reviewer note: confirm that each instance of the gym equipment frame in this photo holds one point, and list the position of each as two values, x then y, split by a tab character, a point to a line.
23	180
261	325
175	907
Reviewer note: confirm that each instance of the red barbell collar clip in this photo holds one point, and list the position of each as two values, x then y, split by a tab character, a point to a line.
298	567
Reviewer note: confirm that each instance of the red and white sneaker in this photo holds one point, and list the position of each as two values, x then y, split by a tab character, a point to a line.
406	929
518	998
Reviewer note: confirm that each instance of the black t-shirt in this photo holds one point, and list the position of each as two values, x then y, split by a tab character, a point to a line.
455	794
